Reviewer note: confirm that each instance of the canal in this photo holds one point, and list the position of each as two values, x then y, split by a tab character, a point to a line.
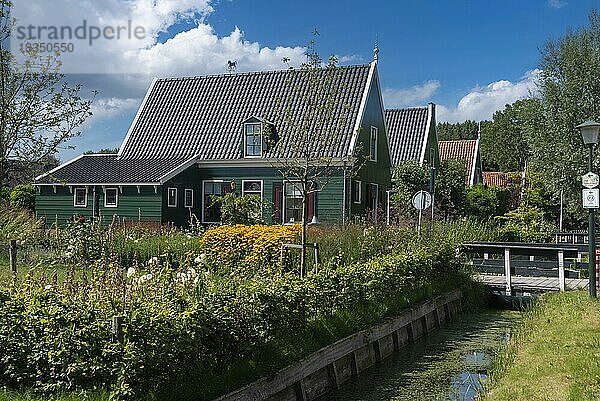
449	364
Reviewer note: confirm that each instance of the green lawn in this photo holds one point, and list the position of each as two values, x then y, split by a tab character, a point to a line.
555	353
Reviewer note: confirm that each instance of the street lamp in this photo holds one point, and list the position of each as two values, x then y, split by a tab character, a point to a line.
589	134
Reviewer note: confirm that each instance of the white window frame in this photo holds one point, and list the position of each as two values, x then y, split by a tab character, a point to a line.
374	130
285	219
116	197
246	141
359	184
253	193
169	204
75	197
185	204
203	185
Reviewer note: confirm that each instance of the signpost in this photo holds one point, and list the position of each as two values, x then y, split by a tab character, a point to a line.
590	198
421	200
591	201
590	180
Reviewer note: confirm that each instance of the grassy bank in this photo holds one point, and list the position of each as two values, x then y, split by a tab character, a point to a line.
554	353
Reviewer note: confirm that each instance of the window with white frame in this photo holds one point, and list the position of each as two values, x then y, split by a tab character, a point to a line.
292	202
357	192
111	197
252	188
80	197
253	140
189	198
172	197
373	144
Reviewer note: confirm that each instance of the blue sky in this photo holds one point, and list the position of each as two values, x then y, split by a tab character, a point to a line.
468	57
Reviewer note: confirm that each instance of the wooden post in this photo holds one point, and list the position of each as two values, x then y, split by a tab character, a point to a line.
561	270
12	256
507	271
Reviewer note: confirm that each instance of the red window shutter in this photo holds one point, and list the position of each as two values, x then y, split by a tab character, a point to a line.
312	205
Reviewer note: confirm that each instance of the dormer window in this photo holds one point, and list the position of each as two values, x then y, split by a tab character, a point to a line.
253	140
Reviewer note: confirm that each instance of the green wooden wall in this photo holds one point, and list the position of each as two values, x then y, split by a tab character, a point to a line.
57	207
378	172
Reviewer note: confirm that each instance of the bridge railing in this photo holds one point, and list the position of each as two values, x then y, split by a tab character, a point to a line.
556	253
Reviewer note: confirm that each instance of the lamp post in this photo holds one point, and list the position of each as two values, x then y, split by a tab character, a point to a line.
589	134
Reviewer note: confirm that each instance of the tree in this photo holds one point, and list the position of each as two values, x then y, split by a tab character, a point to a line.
245	209
23	197
454	131
450	185
39	111
505	140
408	178
485	203
305	162
569	87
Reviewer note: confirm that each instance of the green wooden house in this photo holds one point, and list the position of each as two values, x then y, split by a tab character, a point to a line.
201	136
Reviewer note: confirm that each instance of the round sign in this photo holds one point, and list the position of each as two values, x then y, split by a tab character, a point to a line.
421	200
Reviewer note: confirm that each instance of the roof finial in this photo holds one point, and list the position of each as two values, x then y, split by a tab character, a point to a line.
376	49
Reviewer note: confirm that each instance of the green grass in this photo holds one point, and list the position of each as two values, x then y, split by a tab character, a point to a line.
554	353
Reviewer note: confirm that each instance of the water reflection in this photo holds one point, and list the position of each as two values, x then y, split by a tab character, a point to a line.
450	364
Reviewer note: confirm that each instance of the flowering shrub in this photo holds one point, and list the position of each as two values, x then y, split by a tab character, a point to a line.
242	246
192	332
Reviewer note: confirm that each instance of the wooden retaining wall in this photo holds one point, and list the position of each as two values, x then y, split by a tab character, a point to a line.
331	366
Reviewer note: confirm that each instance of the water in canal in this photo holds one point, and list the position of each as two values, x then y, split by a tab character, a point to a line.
449	364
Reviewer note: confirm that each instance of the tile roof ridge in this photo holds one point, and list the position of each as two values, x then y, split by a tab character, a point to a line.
100	154
249	73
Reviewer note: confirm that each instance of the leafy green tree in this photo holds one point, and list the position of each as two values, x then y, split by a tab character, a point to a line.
505	140
23	197
453	131
569	89
245	209
39	111
450	191
408	178
485	203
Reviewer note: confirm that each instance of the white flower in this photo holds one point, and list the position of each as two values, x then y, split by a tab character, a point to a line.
145	277
48	287
153	261
200	258
130	271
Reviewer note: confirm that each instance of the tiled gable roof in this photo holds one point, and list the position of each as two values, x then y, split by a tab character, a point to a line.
108	168
459	150
407	129
500	179
203	116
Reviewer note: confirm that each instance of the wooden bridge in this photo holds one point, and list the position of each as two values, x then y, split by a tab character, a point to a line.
522	268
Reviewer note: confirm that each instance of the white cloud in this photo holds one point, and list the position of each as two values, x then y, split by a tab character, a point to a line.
481	103
105	108
556	4
413	96
195	51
